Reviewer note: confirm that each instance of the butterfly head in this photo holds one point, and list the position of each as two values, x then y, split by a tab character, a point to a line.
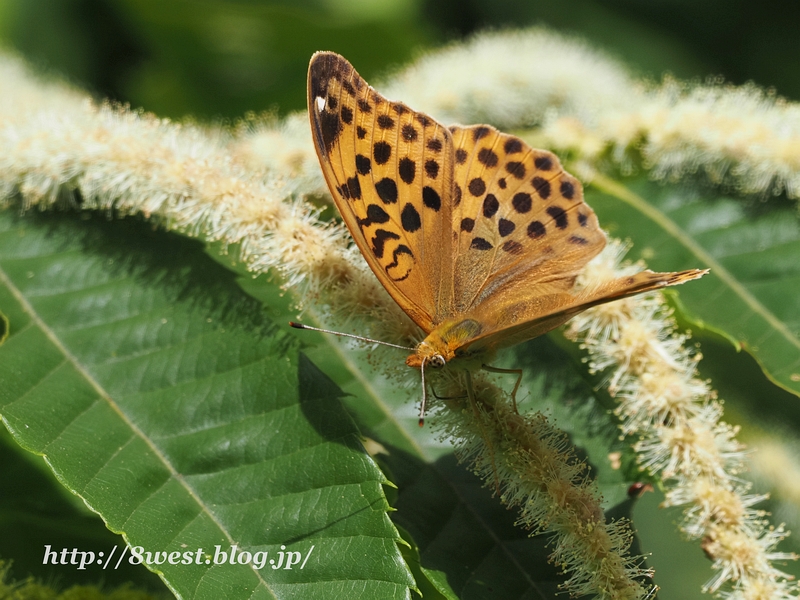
429	355
444	343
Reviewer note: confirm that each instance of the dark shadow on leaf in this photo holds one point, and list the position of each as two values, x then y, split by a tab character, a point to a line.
319	401
465	535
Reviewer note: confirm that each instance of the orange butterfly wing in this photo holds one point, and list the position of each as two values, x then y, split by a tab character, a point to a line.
522	226
390	172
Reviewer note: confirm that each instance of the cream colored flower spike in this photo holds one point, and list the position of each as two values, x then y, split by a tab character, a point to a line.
477	236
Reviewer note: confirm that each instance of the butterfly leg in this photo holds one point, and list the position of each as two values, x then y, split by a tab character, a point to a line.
438	397
474	403
517	372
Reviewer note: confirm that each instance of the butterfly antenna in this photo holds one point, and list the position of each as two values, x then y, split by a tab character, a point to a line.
350	335
424	395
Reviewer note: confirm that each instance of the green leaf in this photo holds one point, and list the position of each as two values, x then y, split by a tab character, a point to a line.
750	295
175	408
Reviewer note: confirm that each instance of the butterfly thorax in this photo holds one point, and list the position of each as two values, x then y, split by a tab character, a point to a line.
446	342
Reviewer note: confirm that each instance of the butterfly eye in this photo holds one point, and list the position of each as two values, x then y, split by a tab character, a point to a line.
436	361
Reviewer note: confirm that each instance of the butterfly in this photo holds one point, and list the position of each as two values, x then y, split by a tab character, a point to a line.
478	237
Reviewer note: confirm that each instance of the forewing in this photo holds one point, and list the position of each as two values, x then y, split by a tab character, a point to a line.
521	226
390	172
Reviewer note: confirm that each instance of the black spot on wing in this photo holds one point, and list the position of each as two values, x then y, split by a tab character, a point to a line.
354	187
431	168
522	202
567	190
578	240
361	132
490	206
410	219
517	169
536	230
375	214
380	239
409	132
363	164
467	224
480	132
477	187
431	198
542	187
479	243
347	115
559	216
512	247
365	106
387	190
512	146
330	126
505	227
381	152
487	157
434	145
461	156
385	122
545	163
407	169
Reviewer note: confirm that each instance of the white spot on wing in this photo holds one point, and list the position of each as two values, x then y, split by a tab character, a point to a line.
320	103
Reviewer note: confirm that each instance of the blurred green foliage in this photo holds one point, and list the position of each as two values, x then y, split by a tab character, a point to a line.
220	59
